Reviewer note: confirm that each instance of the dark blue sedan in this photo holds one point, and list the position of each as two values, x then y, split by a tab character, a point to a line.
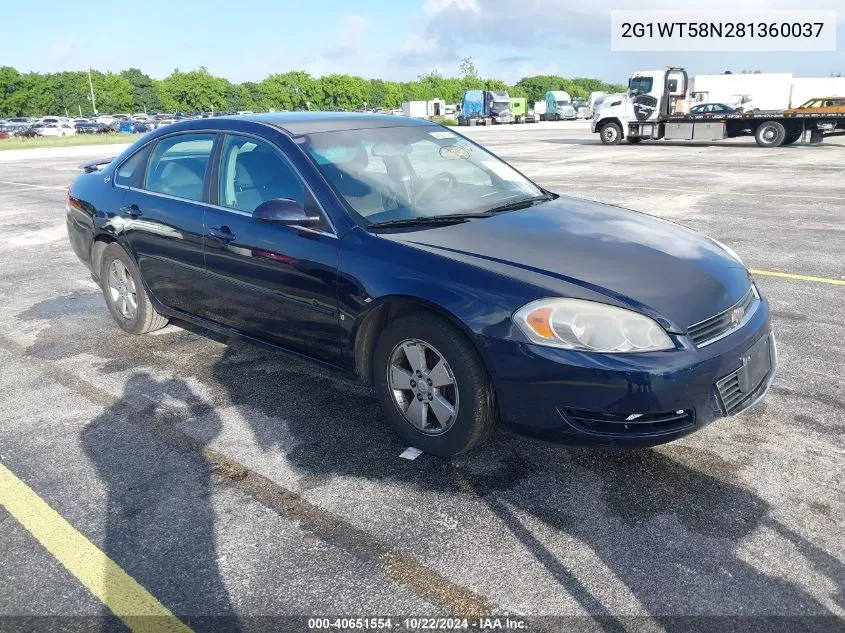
464	293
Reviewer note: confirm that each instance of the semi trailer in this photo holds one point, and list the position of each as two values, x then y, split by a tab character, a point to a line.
656	106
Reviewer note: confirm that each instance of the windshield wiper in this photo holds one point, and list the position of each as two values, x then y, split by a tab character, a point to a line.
519	204
455	218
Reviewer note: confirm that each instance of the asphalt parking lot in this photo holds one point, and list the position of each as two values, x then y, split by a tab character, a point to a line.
234	484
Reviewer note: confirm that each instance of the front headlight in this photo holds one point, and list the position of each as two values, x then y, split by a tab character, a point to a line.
590	327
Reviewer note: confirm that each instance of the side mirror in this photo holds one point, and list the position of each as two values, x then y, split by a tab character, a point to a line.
284	212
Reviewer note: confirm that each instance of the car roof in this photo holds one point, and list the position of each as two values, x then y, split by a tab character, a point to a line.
297	123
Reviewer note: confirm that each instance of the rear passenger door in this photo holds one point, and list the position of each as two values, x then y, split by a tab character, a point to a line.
162	218
276	283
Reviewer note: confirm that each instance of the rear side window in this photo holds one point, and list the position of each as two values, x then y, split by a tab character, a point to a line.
131	171
177	165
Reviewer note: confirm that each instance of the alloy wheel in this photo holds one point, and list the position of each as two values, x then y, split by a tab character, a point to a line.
423	386
122	289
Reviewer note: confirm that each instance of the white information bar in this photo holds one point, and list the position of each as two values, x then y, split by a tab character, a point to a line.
705	30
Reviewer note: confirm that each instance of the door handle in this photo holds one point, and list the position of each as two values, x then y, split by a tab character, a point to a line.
222	233
132	211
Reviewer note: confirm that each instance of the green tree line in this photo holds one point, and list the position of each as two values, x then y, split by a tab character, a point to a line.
38	94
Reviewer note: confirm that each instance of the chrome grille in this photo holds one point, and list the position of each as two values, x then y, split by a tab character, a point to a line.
722	324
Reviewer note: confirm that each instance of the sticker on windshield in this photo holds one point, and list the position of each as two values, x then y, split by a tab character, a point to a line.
502	171
454	152
442	134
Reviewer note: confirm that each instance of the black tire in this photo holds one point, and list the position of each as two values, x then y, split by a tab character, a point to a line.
476	411
770	134
611	134
145	319
791	138
633	140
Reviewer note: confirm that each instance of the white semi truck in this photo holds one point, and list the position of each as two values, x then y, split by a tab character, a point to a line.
656	106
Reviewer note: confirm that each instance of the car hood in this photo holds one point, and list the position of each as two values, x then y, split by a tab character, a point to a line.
573	247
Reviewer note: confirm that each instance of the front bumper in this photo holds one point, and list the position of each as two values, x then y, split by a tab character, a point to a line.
623	399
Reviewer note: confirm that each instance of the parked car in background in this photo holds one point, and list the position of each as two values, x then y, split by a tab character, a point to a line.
92	127
24	120
713	108
823	105
13	129
134	127
162	122
53	119
30	131
58	129
396	249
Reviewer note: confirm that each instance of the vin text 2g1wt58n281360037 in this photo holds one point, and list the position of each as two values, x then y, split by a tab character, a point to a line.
461	291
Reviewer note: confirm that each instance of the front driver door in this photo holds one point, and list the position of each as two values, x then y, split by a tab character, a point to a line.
275	283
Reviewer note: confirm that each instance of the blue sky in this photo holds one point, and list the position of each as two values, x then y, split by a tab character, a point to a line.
396	39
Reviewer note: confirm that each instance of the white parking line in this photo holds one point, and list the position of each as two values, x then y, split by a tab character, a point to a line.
32	186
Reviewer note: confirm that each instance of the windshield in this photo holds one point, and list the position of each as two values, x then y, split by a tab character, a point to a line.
640	85
563	103
398	173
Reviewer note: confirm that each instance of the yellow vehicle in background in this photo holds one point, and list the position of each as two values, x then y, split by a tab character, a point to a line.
822	105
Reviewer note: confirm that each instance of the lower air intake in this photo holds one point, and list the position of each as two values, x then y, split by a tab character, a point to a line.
602	423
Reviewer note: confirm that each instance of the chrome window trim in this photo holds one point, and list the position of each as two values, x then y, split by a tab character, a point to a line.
222	208
219	208
745	319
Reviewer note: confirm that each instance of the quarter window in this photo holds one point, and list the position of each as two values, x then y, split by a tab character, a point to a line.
130	171
177	165
252	172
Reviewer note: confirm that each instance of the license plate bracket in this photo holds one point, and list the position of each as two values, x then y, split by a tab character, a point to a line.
756	363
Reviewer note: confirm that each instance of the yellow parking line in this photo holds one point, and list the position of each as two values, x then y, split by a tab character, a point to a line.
821	280
121	593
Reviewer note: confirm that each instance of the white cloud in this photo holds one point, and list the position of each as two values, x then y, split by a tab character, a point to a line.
556	21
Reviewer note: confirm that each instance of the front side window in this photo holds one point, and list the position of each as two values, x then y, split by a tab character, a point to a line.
640	85
252	172
397	173
177	165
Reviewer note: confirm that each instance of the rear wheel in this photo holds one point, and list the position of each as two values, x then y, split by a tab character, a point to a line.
124	292
791	137
433	386
770	134
611	134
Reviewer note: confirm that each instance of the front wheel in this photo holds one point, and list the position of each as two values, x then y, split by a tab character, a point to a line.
611	134
124	292
433	387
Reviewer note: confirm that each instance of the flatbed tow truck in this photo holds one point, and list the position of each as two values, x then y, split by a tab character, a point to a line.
656	107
